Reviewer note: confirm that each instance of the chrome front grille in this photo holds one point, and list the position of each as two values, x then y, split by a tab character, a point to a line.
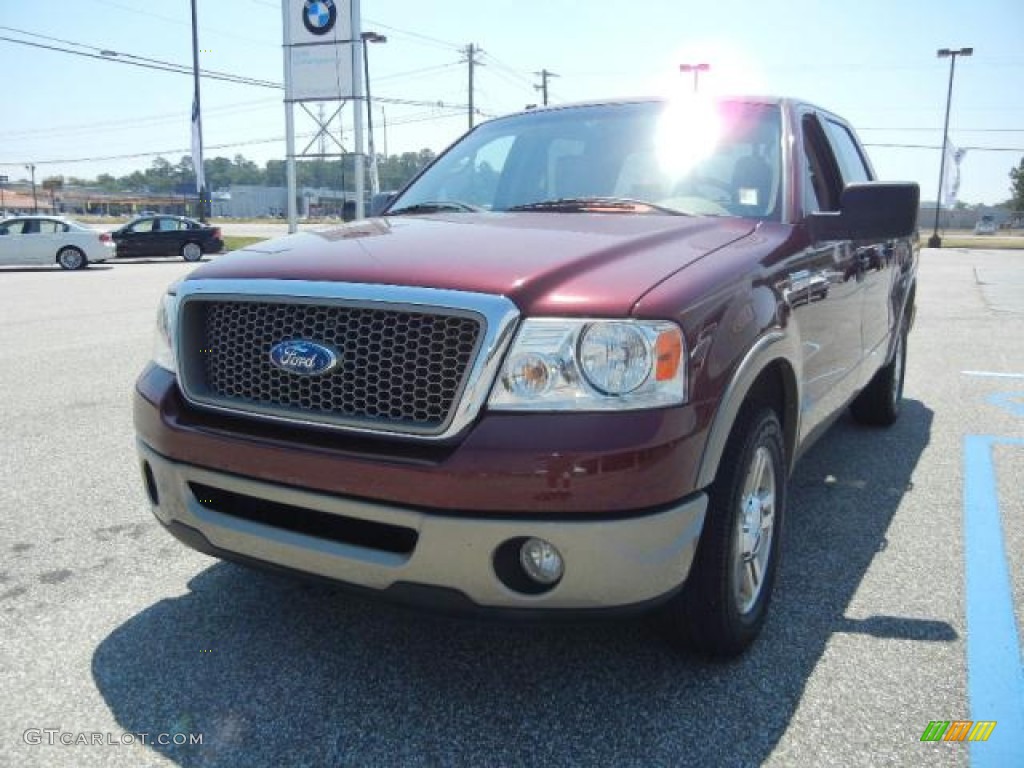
407	367
399	367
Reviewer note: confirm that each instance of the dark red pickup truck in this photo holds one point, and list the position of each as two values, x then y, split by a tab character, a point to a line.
569	369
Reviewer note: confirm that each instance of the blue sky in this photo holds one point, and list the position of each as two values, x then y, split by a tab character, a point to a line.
872	62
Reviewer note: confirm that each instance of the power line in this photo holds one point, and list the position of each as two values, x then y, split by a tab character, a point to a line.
144	63
415	35
104	125
511	70
166	66
418	72
509	80
230	145
181	22
939	147
957	130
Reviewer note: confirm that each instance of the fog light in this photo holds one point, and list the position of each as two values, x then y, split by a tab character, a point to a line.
541	561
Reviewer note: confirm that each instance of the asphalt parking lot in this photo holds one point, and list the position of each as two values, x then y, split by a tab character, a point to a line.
111	629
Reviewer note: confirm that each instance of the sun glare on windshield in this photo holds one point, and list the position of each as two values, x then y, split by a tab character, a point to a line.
688	132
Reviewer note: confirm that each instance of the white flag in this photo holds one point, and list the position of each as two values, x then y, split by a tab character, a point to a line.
197	149
951	176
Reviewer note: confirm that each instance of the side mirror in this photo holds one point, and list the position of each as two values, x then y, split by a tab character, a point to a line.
874	210
380	201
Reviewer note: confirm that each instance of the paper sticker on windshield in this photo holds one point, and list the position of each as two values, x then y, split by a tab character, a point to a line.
747	196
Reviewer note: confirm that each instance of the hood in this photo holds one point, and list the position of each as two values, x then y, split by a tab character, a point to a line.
547	263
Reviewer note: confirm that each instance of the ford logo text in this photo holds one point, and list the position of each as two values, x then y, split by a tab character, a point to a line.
305	358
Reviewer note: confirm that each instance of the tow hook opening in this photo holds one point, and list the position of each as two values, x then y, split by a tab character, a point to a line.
150	481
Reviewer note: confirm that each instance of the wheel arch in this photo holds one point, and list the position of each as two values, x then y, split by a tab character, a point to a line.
767	376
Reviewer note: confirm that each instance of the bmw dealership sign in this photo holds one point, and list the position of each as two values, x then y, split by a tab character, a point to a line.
319	50
319	16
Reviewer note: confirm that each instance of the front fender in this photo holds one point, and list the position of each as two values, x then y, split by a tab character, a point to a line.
774	347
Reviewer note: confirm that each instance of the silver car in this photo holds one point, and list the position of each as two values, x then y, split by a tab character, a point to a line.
27	240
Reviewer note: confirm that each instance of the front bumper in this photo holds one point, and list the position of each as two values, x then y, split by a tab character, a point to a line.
611	562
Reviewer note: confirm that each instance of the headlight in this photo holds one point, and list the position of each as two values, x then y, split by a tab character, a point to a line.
163	347
592	365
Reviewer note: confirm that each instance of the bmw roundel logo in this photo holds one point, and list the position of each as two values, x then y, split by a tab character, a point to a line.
319	16
305	358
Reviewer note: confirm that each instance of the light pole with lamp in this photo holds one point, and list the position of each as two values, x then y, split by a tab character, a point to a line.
935	241
371	37
696	69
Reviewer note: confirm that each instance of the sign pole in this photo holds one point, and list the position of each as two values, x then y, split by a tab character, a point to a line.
289	123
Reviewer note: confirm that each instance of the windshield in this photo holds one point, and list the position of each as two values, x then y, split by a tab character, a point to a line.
694	157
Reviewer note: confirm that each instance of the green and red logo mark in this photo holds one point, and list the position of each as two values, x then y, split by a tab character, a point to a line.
958	730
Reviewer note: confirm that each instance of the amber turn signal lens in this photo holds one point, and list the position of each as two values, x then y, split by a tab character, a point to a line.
668	353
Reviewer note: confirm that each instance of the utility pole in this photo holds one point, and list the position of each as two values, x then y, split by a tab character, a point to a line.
544	76
31	168
471	51
197	124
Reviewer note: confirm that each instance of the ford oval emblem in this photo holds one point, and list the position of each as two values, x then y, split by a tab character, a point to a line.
305	358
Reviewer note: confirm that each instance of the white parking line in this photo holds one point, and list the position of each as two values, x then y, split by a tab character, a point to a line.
994	374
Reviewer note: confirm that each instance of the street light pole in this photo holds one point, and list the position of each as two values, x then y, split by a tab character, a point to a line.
935	241
696	69
371	37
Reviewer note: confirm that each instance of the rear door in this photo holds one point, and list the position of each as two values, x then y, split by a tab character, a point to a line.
51	238
876	269
168	236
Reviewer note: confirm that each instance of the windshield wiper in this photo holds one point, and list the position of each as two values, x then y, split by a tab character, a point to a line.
434	206
580	204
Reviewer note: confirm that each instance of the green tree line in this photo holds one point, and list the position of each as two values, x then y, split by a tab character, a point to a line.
166	178
1016	202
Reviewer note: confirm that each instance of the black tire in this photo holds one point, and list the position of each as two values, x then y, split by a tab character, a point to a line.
713	614
71	258
879	404
191	251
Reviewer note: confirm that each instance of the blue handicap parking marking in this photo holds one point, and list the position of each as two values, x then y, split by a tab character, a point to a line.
1009	401
995	674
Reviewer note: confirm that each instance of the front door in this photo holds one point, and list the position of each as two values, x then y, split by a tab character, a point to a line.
824	291
134	239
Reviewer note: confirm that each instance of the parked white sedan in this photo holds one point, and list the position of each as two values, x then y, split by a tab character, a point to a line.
52	239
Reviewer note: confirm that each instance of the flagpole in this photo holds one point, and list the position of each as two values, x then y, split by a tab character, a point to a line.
197	125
